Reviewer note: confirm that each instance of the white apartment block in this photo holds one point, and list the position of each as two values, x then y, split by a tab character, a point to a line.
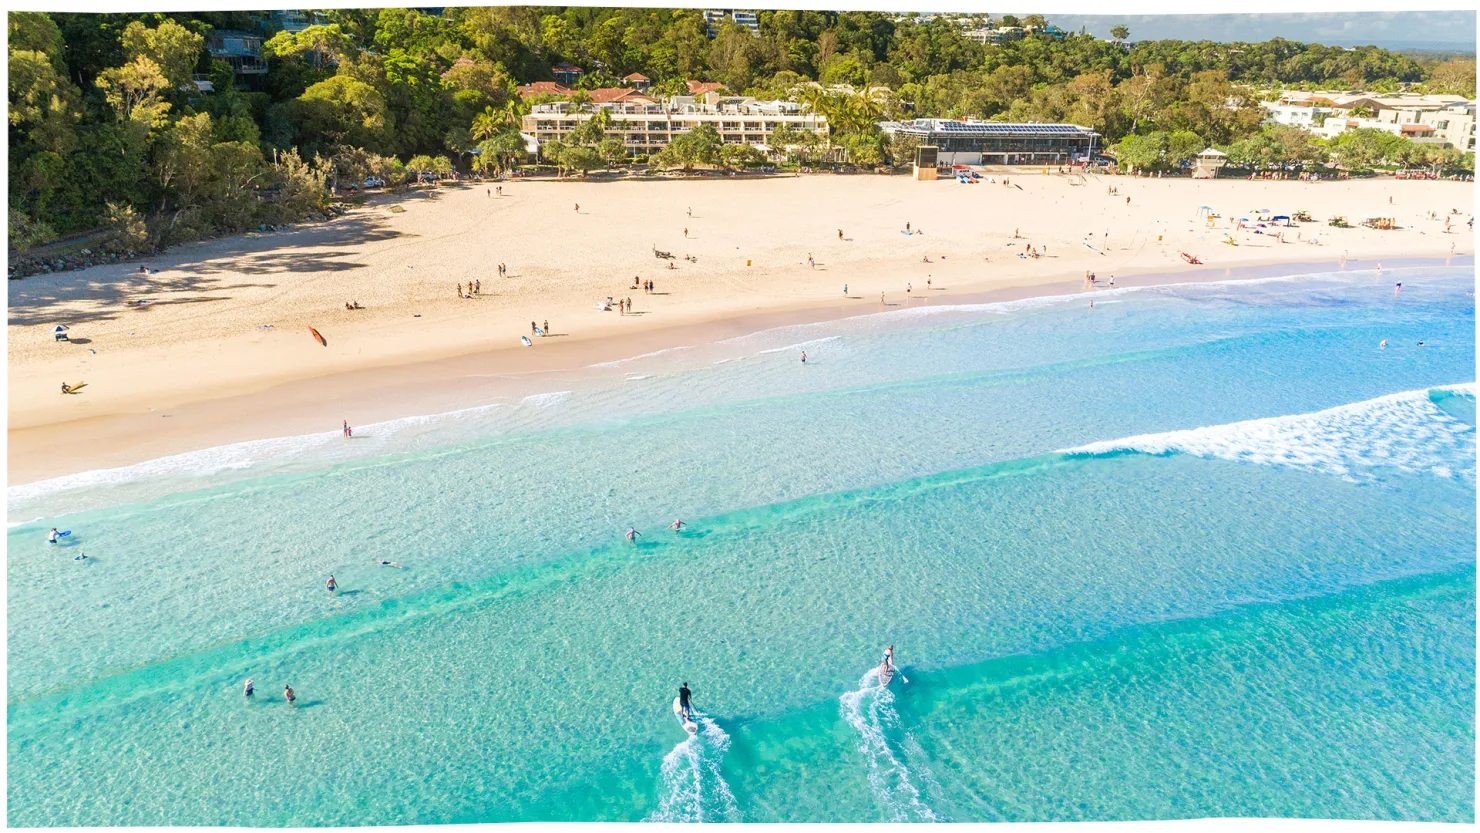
647	128
714	20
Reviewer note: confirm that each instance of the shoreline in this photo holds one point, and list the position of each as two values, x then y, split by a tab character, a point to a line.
382	393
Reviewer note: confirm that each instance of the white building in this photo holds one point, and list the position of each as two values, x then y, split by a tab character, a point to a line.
714	20
1454	125
646	126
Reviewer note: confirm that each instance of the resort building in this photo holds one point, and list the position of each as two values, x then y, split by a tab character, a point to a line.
1454	125
714	20
1336	125
998	143
646	125
1311	110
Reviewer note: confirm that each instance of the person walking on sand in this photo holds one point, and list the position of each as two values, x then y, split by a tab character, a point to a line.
546	328
578	208
685	233
532	328
810	262
840	234
881	298
477	287
845	290
459	291
288	694
331	585
691	211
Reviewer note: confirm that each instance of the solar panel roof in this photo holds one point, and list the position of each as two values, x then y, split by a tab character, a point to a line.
993	128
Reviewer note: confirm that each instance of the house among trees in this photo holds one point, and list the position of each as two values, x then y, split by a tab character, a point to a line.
243	51
637	81
567	74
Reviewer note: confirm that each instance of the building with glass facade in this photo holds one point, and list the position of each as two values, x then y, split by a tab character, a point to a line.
999	143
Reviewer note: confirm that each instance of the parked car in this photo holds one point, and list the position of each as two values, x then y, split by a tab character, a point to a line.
374	182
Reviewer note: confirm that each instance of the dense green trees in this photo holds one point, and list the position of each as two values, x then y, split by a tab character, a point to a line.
103	108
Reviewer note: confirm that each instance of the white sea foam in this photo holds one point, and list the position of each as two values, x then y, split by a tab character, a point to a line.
897	772
692	788
800	345
546	400
239	456
1404	431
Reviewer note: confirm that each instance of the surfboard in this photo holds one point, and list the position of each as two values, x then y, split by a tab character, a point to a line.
538	331
64	533
525	341
75	388
318	337
688	725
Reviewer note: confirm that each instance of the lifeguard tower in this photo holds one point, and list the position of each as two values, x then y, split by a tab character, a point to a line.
1209	162
925	158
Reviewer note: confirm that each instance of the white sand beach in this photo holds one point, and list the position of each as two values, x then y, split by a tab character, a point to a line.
216	335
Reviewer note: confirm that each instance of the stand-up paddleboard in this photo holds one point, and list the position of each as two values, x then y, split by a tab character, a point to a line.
525	341
688	725
886	677
538	331
318	337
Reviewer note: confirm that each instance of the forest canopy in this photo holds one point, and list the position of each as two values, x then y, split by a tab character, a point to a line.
107	120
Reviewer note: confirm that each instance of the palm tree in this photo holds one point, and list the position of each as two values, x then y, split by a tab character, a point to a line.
487	123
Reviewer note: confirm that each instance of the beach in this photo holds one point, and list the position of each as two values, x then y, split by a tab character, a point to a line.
215	337
1211	532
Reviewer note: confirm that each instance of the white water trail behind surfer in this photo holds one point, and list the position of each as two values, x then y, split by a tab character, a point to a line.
691	786
898	779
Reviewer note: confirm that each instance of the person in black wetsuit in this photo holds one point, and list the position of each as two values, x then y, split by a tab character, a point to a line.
683	701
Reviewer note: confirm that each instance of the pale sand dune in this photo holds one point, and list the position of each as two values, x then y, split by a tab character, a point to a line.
199	339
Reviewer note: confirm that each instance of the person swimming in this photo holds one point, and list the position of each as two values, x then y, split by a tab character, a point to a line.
684	703
633	534
1383	345
388	564
247	690
81	557
53	536
288	694
677	525
331	585
804	357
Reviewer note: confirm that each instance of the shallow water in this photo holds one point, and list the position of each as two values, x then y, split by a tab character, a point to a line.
1139	562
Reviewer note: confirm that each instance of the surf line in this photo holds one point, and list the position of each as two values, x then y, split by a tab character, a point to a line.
897	771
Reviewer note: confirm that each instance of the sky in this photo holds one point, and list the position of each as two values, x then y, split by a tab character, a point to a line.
1392	30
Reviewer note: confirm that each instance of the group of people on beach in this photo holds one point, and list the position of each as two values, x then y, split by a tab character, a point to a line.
474	287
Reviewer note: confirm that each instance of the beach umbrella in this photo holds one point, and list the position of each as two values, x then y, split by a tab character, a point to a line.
59	329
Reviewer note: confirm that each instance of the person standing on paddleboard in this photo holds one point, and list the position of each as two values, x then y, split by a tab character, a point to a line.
683	701
887	669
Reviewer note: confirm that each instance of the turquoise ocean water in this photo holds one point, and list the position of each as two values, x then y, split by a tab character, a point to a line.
1205	549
